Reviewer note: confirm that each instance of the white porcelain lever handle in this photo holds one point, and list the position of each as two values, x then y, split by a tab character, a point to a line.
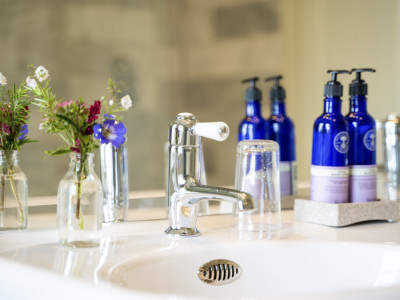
218	131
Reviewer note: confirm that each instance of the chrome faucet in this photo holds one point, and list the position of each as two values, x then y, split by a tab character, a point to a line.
184	188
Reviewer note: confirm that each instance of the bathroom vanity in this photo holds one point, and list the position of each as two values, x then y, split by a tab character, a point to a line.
137	260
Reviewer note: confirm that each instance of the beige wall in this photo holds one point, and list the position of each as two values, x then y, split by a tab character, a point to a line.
187	55
221	43
338	34
83	43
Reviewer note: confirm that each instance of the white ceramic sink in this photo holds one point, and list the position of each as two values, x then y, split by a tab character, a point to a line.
136	260
270	270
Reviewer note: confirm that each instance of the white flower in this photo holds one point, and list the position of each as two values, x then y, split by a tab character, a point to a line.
111	102
126	102
30	82
41	73
42	124
3	79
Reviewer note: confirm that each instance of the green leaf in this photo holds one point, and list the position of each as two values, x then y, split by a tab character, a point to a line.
58	151
26	141
69	121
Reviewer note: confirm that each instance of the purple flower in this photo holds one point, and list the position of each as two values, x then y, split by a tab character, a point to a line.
23	132
111	131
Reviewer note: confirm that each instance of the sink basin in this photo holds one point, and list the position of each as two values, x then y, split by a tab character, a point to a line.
136	260
269	270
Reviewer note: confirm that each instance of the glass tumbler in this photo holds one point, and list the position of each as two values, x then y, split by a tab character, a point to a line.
257	173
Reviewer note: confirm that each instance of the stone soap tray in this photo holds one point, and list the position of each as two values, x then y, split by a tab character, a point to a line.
287	202
339	215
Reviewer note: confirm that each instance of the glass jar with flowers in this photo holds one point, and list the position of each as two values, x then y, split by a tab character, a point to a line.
14	113
114	155
80	194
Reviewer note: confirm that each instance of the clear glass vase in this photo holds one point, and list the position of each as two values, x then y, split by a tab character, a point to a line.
79	208
13	192
114	177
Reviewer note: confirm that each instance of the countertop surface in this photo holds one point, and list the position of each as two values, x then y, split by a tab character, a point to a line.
35	253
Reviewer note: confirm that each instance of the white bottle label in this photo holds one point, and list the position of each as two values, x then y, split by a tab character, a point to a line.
329	184
253	184
362	185
288	171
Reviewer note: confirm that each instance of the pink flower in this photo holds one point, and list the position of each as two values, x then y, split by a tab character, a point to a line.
84	106
89	130
6	110
64	104
77	147
6	129
94	111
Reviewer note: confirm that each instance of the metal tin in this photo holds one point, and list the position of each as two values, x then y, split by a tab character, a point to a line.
391	133
114	177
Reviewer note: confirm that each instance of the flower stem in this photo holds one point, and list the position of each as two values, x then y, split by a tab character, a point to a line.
78	204
14	189
10	173
3	192
80	177
79	191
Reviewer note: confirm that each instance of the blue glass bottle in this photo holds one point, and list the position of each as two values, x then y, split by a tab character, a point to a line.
280	128
329	169
252	126
362	147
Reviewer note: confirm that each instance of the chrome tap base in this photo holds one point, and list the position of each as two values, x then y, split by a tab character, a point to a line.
182	231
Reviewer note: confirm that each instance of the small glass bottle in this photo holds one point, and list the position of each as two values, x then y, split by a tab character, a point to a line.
80	203
13	192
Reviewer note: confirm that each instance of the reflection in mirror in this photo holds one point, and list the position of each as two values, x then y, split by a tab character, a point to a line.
174	56
170	56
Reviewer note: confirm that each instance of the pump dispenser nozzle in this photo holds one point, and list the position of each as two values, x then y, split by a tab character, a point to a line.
277	92
333	88
358	87
252	93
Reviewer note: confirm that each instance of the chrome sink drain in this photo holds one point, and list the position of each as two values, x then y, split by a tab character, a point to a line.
219	271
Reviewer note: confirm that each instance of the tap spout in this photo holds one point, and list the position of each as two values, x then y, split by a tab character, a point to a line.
243	200
184	205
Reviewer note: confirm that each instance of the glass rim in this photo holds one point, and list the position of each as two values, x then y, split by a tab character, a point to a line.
12	151
74	154
8	153
257	146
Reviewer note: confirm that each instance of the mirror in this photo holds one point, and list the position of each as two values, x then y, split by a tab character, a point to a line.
174	56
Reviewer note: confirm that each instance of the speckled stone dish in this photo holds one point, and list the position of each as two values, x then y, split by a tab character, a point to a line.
287	202
339	215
